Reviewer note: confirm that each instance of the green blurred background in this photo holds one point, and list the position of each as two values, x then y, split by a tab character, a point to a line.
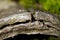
52	6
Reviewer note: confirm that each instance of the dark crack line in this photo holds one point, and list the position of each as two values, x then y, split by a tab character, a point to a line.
4	26
21	22
15	24
32	18
53	27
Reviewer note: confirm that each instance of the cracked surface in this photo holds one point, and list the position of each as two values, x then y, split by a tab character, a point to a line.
28	23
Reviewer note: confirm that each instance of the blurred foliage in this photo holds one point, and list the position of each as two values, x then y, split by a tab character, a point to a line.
51	5
47	5
27	3
44	5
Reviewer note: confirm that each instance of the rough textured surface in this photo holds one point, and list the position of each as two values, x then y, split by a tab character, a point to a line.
15	18
17	22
